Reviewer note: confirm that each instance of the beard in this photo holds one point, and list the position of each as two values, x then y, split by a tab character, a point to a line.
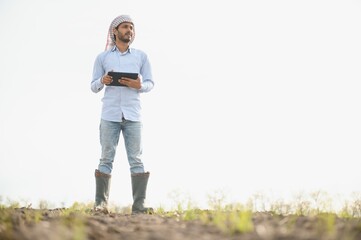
126	38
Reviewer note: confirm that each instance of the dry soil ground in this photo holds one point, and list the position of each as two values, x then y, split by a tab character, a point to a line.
56	224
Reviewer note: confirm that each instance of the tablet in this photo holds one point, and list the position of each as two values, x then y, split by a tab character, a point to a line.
117	75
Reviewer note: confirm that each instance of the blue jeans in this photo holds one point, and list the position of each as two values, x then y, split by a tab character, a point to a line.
109	138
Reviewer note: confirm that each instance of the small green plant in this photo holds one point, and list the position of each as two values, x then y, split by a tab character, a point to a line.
320	202
32	216
2	206
228	221
191	214
77	208
216	200
259	201
12	203
76	222
43	204
356	204
178	199
241	221
351	208
280	207
345	212
301	206
326	223
7	227
160	210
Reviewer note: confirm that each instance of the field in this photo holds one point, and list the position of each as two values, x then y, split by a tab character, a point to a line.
301	219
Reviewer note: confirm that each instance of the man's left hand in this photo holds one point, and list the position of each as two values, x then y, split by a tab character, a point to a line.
133	83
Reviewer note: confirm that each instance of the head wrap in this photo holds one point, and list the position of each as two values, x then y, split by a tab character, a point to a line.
115	23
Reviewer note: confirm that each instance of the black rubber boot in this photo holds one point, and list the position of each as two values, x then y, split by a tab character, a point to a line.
102	182
139	187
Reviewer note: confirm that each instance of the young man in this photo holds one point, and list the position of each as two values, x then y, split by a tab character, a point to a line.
121	111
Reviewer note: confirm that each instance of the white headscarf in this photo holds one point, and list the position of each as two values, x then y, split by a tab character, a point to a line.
115	23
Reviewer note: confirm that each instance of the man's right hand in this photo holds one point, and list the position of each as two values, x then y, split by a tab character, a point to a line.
106	79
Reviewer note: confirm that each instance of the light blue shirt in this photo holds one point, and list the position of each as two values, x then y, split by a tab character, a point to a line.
119	102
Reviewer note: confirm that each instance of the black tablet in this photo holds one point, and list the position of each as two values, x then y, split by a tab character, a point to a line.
117	75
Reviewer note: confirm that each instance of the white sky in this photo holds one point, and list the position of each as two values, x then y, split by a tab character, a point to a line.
250	96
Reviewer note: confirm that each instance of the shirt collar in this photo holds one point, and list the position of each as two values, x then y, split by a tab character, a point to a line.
116	49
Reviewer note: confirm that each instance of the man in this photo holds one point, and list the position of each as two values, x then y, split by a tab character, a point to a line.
121	111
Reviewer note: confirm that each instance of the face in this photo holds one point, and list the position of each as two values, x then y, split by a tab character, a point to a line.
124	32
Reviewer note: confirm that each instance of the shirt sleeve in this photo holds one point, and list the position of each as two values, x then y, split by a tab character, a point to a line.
146	72
98	72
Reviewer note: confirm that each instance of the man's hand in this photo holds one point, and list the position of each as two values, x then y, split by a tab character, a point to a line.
106	79
133	83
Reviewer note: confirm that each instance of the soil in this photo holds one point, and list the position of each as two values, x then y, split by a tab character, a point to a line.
55	224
